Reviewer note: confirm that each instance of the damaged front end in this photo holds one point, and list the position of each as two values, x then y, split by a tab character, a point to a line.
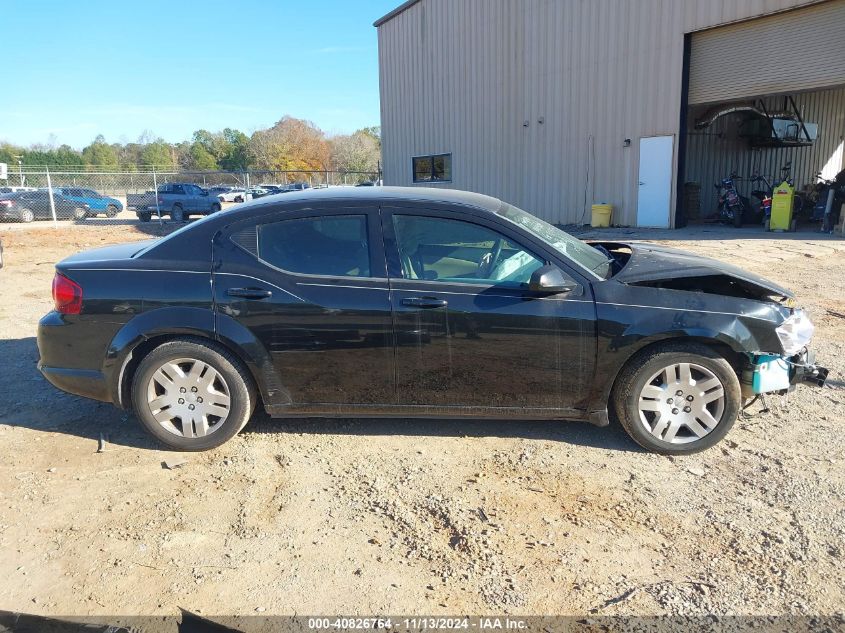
704	298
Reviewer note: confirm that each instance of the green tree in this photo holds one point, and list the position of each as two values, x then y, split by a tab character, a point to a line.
200	158
157	153
236	156
100	154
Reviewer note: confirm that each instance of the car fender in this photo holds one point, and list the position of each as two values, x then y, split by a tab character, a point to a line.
190	321
160	322
625	330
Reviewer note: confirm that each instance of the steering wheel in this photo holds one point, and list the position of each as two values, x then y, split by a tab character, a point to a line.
488	262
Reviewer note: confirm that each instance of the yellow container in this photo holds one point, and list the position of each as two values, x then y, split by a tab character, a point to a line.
782	201
601	215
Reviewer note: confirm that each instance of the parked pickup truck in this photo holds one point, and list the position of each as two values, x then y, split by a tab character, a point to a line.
178	200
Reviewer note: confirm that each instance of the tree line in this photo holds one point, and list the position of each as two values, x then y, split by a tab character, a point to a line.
290	145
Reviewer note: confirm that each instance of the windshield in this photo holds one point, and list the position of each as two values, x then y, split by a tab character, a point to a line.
581	253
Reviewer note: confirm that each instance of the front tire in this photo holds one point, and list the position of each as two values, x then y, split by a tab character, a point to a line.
145	217
677	398
192	395
216	207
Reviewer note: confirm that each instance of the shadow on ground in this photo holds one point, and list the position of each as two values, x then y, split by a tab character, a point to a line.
27	400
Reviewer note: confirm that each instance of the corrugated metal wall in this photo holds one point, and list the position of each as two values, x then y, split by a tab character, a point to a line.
464	76
756	58
712	154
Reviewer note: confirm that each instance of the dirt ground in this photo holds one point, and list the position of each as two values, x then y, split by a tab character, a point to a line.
421	517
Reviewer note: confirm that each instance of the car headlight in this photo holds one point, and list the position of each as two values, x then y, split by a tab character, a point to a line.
795	332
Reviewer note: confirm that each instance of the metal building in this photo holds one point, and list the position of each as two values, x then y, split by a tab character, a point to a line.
554	105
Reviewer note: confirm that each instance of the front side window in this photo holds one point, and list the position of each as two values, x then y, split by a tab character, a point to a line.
436	168
333	245
453	251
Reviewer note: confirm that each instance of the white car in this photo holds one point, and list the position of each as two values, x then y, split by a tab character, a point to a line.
228	194
17	189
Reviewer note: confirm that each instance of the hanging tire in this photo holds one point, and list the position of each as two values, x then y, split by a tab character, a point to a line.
27	215
112	211
192	395
177	214
677	398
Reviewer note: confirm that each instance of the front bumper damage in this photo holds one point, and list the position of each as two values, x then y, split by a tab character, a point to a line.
805	369
778	374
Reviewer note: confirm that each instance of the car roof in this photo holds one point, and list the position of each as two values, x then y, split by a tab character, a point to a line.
377	194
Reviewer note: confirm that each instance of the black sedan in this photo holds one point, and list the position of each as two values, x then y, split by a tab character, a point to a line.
26	206
416	302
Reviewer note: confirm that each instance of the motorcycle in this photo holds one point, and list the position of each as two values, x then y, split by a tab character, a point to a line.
763	196
733	207
827	197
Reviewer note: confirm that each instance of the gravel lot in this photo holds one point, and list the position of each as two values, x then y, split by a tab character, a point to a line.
425	517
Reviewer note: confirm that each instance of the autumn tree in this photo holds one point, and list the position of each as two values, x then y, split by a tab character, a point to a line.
290	145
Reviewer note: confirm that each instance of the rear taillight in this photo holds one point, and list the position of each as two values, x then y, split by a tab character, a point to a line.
5	203
67	295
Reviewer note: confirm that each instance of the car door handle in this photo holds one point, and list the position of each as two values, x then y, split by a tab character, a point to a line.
425	302
249	293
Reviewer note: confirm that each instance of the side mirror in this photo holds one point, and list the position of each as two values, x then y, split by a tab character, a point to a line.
551	280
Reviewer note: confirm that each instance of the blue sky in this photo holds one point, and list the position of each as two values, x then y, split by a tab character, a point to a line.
78	69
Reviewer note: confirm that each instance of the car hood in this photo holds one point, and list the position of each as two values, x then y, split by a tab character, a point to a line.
652	263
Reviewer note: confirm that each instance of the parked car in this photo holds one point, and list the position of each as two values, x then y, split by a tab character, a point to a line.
14	189
26	206
97	203
176	199
253	193
296	186
272	189
227	194
416	302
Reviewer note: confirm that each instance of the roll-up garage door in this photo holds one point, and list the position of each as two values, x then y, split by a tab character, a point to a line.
789	52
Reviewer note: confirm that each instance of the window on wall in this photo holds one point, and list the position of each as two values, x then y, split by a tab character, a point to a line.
435	168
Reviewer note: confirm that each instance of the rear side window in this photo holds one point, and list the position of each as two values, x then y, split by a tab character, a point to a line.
334	245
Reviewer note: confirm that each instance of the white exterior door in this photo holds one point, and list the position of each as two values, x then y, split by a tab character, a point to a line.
654	199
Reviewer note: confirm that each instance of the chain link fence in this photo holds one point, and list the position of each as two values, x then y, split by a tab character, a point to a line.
40	195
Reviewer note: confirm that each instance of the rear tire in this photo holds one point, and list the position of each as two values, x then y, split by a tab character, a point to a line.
677	398
27	215
79	214
197	372
177	214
